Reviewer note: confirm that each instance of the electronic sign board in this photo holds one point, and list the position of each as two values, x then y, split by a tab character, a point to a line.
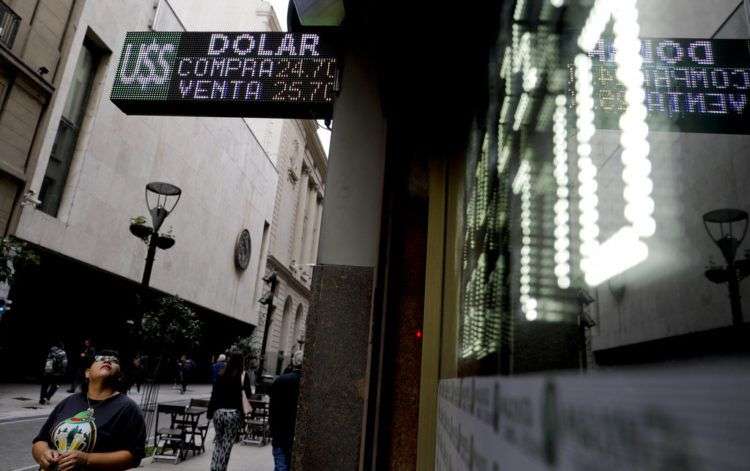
233	74
691	85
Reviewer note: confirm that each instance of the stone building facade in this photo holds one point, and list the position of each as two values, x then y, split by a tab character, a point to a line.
291	246
35	35
73	169
227	179
294	240
83	166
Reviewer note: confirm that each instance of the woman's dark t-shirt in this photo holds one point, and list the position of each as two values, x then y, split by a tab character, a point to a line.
227	394
116	425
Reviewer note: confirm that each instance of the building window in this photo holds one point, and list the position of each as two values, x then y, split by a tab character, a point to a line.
68	131
9	22
4	85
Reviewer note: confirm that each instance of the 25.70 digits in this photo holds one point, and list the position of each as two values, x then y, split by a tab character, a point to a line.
314	91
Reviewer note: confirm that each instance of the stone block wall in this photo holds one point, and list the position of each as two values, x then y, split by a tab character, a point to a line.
25	91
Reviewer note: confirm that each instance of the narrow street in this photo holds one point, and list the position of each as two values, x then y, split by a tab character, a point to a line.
15	440
21	418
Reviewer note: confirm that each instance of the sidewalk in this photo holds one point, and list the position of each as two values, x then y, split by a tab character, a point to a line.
243	458
22	400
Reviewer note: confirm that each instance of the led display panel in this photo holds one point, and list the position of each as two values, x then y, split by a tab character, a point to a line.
691	85
233	74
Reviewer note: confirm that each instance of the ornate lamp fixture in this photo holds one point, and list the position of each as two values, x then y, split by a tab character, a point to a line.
727	228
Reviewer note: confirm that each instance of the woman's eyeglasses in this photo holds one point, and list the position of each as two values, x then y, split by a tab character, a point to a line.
108	358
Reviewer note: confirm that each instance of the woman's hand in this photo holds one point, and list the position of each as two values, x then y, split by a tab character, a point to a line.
71	460
49	458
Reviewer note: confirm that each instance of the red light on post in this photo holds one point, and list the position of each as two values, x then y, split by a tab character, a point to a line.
418	334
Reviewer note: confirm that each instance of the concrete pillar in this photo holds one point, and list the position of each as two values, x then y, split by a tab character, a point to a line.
316	232
334	386
299	222
312	202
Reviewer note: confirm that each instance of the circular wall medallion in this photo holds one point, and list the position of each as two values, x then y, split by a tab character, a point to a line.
242	250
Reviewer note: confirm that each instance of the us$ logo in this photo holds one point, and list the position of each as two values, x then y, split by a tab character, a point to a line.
146	65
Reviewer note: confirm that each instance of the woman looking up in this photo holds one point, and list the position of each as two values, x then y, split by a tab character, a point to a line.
96	429
227	410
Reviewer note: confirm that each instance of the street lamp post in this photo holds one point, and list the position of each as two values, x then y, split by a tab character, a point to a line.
161	199
267	300
728	240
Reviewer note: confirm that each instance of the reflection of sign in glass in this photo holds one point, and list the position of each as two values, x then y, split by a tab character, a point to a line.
691	85
227	74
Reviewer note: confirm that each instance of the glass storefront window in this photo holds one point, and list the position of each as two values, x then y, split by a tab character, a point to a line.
67	134
615	127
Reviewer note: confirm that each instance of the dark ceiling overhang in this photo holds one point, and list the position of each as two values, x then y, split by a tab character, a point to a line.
433	58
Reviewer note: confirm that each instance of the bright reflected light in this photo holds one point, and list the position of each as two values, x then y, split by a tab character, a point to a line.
523	106
589	215
621	252
625	249
522	185
562	207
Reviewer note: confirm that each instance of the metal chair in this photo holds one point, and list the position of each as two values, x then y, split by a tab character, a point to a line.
203	424
172	437
257	428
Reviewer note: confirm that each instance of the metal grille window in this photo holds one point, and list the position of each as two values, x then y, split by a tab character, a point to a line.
9	22
67	133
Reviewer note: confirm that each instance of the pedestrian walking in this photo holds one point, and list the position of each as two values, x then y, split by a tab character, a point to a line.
138	373
85	358
283	413
216	368
184	368
226	409
52	374
98	428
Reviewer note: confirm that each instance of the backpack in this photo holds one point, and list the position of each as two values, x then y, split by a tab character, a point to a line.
56	362
60	362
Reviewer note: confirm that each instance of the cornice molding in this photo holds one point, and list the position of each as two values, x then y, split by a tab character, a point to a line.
20	67
286	274
312	143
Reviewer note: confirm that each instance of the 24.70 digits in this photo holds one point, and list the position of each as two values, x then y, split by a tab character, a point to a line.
306	68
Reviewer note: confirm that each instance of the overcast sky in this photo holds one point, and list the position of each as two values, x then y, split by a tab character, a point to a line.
280	6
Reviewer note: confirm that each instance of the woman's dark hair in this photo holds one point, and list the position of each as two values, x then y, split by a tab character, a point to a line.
233	368
116	382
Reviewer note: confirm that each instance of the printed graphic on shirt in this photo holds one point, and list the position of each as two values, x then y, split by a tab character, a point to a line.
76	433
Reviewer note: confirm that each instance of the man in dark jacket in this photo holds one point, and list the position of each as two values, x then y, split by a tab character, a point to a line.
283	410
217	367
54	368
